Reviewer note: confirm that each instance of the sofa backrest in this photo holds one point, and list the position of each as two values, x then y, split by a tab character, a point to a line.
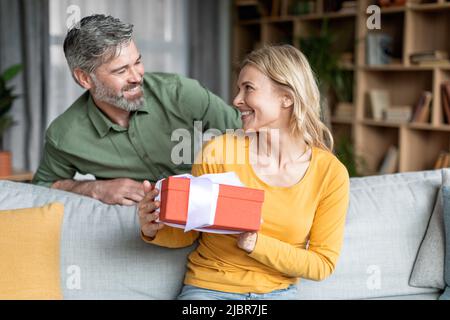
101	244
386	222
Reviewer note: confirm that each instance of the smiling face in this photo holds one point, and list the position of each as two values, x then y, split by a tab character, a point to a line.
261	102
119	81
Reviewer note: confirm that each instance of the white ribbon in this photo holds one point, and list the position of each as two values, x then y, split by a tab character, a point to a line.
203	195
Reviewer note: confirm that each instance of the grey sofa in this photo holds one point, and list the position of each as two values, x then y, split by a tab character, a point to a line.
386	222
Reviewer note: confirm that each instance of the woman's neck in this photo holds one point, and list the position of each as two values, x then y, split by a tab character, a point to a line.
281	147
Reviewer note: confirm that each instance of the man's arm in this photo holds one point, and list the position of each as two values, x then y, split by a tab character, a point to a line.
207	107
56	171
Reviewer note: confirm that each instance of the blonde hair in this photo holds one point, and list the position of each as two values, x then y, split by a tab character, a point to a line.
289	69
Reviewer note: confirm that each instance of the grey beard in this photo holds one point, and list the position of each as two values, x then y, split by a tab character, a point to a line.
105	94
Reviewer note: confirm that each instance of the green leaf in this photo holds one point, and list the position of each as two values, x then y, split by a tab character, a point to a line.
11	72
5	123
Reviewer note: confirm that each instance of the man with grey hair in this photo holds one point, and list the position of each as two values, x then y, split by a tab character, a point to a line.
120	129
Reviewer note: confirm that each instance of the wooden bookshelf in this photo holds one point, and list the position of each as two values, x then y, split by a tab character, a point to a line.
416	26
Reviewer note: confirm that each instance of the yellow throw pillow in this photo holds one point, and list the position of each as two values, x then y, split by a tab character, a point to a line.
29	252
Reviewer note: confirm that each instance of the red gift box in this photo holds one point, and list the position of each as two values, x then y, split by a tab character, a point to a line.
238	208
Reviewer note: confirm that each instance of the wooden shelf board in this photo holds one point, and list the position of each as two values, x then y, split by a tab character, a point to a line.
378	123
341	121
430	6
398	67
279	19
395	9
328	15
19	176
249	22
409	125
246	3
428	126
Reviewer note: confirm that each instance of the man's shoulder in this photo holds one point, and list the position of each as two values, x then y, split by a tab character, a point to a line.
69	120
161	81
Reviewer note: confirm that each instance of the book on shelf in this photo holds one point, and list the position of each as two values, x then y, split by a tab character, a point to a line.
379	102
429	55
445	96
422	109
390	161
443	160
348	7
379	48
398	114
430	58
392	3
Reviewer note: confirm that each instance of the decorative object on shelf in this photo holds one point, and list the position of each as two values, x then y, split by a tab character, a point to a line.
391	3
445	96
390	161
430	58
6	102
398	114
422	109
379	49
443	160
379	103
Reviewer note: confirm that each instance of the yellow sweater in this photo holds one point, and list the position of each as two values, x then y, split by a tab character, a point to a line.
313	209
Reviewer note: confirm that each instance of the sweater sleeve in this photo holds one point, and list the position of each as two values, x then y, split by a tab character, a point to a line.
319	260
171	237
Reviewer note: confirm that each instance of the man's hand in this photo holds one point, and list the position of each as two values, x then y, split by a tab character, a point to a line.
247	241
122	191
147	213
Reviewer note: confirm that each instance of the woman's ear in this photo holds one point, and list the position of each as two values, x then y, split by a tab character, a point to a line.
287	101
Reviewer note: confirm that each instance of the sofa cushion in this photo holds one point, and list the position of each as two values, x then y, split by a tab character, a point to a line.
29	252
428	269
386	222
102	253
446	196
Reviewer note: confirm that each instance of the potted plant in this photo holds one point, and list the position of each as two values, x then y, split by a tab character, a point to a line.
6	102
325	62
318	50
332	78
345	152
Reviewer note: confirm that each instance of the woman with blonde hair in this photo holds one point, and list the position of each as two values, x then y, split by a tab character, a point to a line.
306	190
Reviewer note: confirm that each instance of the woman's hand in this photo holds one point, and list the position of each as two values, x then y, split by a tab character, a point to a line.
247	241
147	213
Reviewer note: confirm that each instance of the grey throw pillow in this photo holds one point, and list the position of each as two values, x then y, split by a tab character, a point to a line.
428	271
446	203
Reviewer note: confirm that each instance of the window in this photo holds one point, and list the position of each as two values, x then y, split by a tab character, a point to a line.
159	31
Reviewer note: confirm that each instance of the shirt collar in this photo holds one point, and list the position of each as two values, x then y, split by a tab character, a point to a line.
102	123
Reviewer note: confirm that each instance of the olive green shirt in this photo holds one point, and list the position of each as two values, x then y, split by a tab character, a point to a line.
83	139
